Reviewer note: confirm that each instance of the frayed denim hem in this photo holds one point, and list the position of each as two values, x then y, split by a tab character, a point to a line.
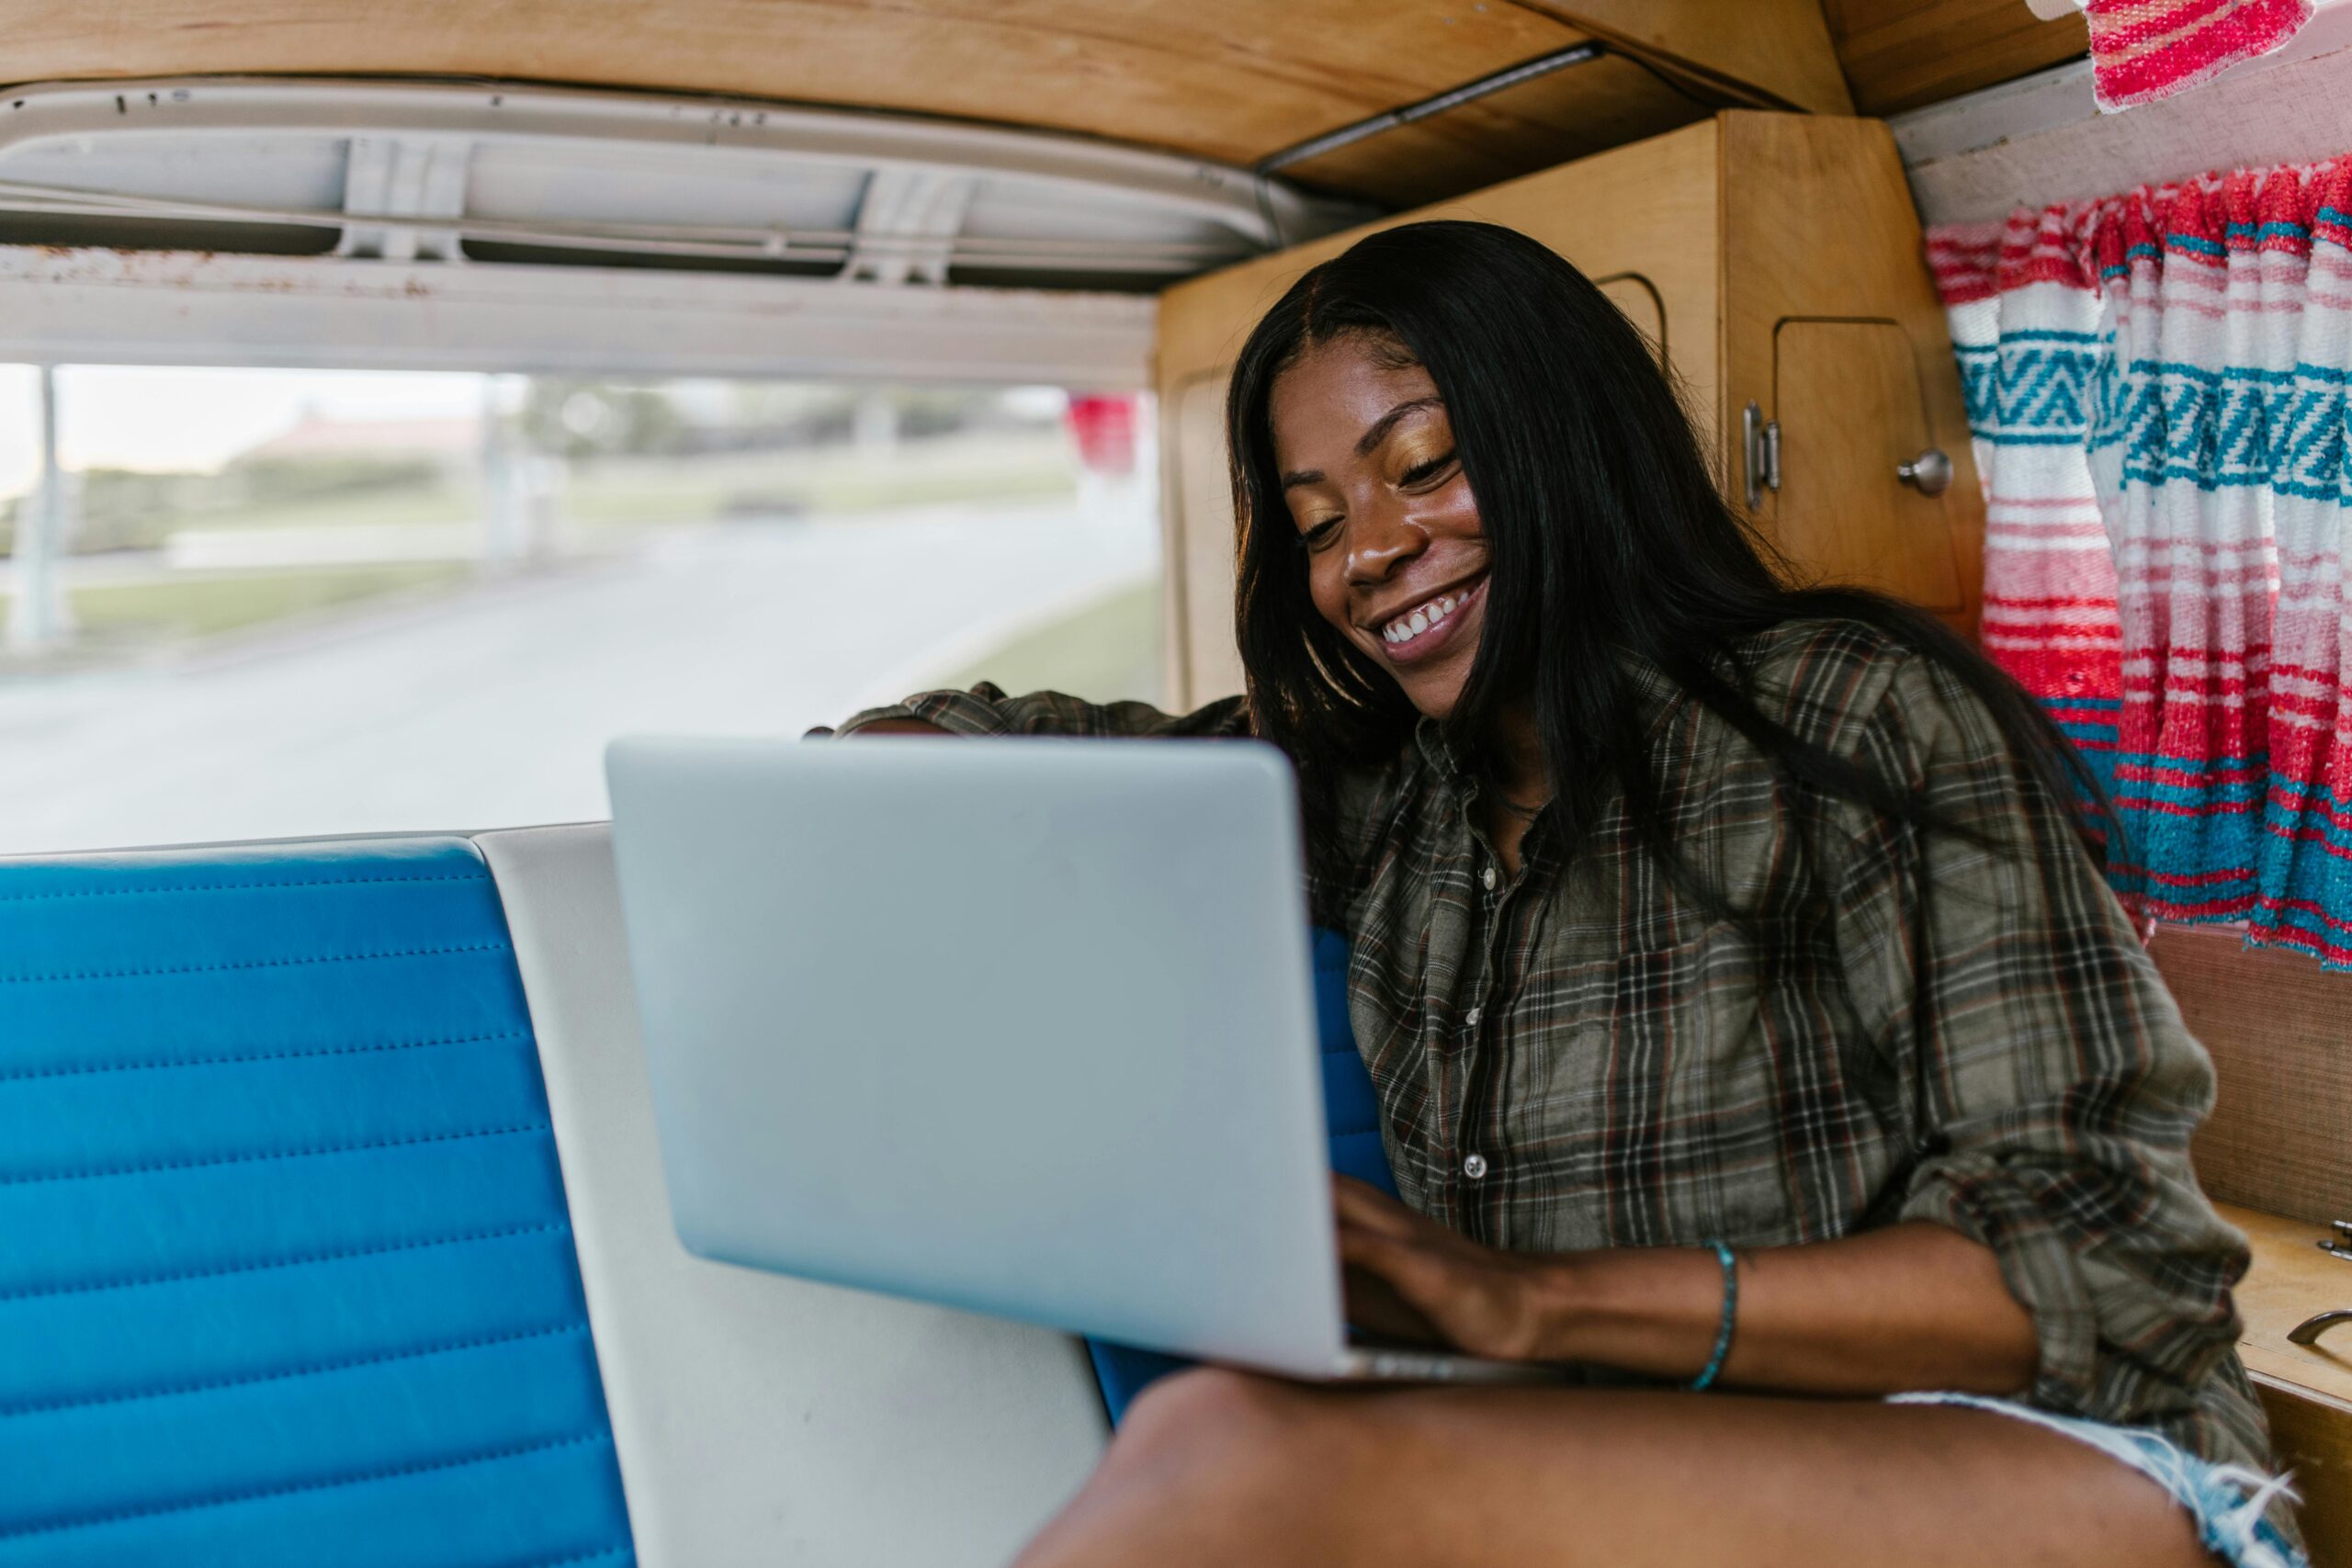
2226	1500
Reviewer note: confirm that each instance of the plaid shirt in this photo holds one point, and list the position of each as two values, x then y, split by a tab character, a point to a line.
1911	1026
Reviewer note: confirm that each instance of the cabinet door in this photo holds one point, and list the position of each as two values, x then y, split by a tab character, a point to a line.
1850	408
1637	296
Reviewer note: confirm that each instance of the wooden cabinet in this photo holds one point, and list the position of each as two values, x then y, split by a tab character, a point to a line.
1773	258
1852	411
2306	1389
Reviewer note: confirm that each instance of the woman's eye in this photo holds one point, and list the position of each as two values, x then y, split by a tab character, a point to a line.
1421	473
1322	533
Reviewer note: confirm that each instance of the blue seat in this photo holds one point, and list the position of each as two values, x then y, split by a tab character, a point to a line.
287	1258
286	1276
1351	1117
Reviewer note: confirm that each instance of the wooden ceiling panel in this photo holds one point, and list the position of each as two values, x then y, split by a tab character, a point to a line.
1764	54
1571	114
1232	80
1899	54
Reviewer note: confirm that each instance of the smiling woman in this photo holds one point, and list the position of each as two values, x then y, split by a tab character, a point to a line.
1743	999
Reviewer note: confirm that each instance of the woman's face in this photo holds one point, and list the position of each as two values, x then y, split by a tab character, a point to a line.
1396	558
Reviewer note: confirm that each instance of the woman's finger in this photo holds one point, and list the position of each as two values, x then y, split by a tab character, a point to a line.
1359	1204
1374	1308
1388	1287
1423	1278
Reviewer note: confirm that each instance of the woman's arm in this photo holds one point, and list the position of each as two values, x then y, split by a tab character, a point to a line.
986	710
898	726
2047	1085
1913	1306
2050	1086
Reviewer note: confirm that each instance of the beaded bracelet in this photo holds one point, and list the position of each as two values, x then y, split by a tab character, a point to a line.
1725	1256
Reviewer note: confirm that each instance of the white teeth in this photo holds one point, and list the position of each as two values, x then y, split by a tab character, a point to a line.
1405	628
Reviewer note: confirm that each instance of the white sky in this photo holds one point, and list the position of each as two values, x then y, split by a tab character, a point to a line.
174	419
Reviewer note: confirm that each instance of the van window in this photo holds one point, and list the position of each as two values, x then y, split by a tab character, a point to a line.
295	602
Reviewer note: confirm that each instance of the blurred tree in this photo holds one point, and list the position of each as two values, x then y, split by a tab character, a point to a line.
583	419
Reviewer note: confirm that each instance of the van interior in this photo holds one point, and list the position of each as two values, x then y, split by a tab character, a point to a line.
329	1154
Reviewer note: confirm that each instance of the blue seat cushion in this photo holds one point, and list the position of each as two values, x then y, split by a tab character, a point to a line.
1352	1115
287	1275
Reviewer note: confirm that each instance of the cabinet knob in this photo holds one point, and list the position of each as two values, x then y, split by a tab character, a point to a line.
1930	472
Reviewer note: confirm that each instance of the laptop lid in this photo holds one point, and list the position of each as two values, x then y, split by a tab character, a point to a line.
1023	1027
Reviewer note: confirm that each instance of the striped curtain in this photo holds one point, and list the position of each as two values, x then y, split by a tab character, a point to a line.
2145	49
2157	383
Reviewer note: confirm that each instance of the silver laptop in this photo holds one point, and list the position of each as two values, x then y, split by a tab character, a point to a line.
1025	1027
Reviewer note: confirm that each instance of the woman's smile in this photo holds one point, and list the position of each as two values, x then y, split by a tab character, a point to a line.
1427	626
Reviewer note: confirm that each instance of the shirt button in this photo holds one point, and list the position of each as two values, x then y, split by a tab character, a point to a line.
1474	1167
1471	1018
1487	877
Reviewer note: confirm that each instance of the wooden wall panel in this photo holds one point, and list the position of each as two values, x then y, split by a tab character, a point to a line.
2279	1031
1899	54
2313	1436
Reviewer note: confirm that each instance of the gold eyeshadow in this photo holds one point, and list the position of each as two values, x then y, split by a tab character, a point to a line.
1426	442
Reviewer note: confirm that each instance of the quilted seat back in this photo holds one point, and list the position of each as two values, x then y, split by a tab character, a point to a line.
286	1270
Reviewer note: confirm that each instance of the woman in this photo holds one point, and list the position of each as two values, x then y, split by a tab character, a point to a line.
1746	1005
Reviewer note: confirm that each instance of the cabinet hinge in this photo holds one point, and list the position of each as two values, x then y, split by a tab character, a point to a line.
1760	446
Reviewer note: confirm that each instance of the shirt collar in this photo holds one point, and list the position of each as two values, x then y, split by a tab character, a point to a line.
1656	693
1436	750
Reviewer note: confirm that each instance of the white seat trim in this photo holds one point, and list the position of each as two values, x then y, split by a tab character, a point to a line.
758	1419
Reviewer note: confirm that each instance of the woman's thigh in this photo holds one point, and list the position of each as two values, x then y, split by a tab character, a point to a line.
1222	1467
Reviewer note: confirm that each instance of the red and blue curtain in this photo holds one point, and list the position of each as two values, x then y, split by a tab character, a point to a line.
2158	383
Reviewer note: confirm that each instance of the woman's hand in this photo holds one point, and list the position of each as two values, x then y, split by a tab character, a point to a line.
1412	1279
1915	1306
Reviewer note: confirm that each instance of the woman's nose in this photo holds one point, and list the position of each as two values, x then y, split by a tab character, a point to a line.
1379	540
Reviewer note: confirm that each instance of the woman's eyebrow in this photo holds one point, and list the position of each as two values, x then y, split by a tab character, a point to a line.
1370	439
1380	428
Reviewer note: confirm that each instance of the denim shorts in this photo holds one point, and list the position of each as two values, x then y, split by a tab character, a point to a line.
2226	1500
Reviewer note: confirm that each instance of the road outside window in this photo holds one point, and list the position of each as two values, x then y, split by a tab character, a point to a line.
247	603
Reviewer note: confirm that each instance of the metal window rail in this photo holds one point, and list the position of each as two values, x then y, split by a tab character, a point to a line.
662	239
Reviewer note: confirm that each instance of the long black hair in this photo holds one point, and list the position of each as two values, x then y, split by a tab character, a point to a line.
1606	536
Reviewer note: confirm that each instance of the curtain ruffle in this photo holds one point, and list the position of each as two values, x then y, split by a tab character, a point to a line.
2146	50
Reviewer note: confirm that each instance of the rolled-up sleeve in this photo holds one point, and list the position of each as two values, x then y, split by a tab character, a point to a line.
2050	1083
985	710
